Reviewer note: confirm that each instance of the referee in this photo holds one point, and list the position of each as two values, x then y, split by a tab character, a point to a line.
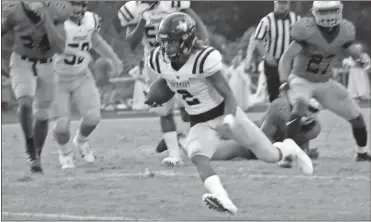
272	37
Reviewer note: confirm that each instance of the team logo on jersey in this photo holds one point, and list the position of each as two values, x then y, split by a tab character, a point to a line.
182	26
183	84
80	38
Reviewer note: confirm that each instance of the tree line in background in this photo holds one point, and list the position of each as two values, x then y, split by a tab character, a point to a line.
230	24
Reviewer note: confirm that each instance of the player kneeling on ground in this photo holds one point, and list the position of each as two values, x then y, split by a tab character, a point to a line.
76	84
273	124
193	72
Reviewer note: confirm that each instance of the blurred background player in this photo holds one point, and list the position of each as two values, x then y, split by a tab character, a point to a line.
141	19
76	84
194	73
317	41
35	25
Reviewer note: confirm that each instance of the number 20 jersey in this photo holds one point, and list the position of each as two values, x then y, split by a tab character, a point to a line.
78	39
314	61
129	14
189	83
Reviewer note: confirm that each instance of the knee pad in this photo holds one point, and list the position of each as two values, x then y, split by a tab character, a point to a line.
43	110
91	119
25	101
62	125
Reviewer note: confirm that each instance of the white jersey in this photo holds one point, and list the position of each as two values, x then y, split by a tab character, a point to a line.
129	14
79	40
189	83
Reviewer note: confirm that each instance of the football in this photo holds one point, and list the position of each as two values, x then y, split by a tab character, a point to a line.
159	93
102	69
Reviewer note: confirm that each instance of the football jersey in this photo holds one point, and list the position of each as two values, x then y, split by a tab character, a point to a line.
79	40
314	61
129	14
30	38
189	83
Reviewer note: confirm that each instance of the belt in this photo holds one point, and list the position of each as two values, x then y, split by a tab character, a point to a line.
34	60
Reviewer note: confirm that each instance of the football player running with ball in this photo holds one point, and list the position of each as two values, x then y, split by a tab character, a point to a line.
317	41
194	73
141	19
37	39
76	84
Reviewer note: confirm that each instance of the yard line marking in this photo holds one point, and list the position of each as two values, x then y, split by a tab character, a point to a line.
72	217
184	175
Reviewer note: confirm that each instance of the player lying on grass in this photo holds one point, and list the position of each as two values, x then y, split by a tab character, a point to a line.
193	72
273	124
305	68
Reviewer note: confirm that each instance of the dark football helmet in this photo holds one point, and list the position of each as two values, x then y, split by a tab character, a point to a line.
79	9
176	35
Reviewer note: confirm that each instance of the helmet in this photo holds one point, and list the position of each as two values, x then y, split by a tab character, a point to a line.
176	35
79	9
151	4
327	13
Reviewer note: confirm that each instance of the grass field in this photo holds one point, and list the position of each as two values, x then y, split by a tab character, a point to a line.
116	187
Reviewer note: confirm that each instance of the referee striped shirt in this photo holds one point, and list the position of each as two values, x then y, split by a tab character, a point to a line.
276	32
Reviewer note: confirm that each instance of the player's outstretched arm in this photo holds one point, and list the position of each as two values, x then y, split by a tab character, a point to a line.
56	32
221	85
200	26
285	63
105	50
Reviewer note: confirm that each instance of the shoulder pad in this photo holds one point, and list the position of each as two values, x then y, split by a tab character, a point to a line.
128	13
302	29
278	111
153	60
208	61
97	21
350	29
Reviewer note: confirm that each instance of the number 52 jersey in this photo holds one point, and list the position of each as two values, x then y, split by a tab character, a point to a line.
189	83
79	40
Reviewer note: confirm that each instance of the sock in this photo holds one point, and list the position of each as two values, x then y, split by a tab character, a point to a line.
40	133
283	151
80	138
64	149
361	149
214	185
171	140
26	119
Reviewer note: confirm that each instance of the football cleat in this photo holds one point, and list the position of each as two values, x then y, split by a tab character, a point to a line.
36	166
299	156
85	151
219	203
172	161
286	163
363	157
66	160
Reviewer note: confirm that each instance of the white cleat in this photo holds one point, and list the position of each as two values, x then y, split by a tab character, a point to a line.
172	161
66	160
302	159
85	151
220	203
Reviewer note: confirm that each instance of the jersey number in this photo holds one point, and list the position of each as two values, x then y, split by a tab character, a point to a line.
315	61
30	43
188	98
85	46
150	32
